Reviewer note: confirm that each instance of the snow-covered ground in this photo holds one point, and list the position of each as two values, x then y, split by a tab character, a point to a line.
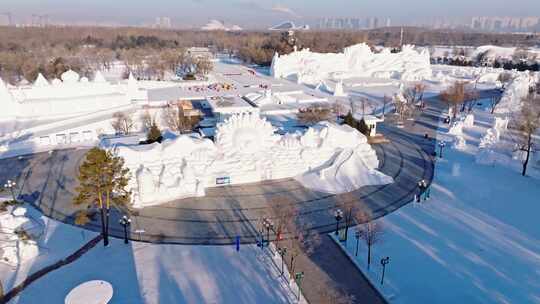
476	240
150	273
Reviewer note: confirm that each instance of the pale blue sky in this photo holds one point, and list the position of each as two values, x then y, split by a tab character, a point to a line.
262	11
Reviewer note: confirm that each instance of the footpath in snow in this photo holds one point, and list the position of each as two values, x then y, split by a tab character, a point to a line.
147	273
476	240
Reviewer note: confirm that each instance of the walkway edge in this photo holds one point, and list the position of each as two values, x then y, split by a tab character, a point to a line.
15	291
355	263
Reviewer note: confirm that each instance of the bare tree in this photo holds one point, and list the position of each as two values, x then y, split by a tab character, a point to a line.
147	120
454	96
283	214
176	120
527	124
505	78
472	97
494	102
415	93
301	241
314	114
370	230
203	66
122	123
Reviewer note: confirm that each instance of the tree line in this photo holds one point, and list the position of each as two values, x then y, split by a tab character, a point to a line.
25	52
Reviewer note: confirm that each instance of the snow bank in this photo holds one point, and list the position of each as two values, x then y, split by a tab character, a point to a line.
349	170
355	61
13	249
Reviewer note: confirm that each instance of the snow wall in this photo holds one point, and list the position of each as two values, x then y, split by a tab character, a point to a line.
518	88
355	61
246	150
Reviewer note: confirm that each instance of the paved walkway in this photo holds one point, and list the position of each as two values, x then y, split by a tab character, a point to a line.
48	181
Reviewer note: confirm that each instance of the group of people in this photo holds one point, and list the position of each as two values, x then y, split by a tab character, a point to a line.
213	87
424	191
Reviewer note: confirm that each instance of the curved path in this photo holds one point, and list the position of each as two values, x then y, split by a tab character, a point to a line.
48	181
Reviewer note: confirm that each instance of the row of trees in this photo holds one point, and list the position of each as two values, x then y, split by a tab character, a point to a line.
173	117
86	49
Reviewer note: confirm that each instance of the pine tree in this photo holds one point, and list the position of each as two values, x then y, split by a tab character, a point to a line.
349	120
102	184
154	134
363	127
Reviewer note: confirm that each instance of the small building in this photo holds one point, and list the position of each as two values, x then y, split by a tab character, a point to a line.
225	106
370	120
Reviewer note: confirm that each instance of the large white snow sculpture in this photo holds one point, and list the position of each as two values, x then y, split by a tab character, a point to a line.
246	150
468	122
68	97
348	171
518	88
355	61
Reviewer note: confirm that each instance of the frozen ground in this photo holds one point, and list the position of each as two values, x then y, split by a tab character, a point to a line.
148	273
476	240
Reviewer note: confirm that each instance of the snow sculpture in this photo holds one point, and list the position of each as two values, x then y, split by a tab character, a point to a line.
518	88
338	91
246	150
491	137
500	124
41	81
459	143
456	128
70	77
14	250
355	61
98	78
348	171
71	96
468	122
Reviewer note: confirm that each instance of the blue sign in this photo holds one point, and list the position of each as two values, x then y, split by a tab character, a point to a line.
225	180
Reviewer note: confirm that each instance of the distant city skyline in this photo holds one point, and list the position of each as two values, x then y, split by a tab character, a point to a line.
258	13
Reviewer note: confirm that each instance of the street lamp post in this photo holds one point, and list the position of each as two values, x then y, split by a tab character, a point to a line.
442	144
282	252
357	236
269	225
11	186
338	214
384	262
125	221
298	277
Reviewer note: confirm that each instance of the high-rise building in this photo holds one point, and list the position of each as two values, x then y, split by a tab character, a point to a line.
163	22
5	19
351	23
505	24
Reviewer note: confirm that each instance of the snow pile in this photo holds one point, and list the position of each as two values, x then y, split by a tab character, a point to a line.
515	91
468	122
246	150
15	250
459	143
492	52
355	61
348	171
456	128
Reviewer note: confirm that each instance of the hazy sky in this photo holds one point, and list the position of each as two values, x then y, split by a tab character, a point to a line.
249	12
